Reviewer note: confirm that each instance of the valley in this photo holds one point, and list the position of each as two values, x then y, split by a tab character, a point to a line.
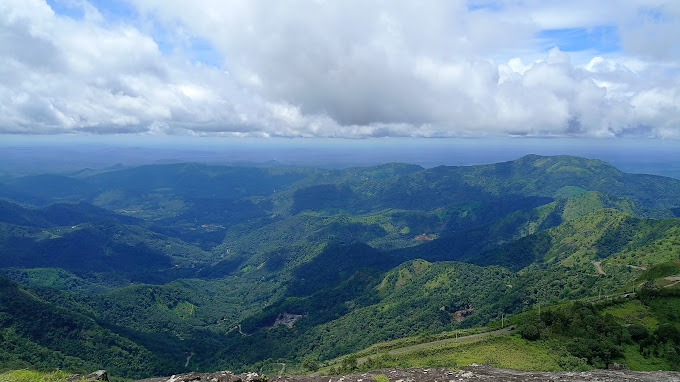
169	268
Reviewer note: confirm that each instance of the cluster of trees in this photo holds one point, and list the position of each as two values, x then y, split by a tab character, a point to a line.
39	334
586	335
664	341
592	339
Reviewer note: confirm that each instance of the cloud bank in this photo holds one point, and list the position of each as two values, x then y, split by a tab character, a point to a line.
342	68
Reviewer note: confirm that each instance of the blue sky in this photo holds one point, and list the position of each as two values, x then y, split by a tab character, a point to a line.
602	39
117	11
350	69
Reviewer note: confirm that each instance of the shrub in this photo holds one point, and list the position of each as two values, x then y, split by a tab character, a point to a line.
638	332
569	362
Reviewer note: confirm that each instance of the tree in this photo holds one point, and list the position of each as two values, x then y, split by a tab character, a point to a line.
638	332
310	363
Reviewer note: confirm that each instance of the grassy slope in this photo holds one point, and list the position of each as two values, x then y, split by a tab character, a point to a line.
515	352
504	351
33	376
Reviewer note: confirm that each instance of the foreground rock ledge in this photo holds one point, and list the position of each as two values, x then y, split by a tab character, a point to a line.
465	373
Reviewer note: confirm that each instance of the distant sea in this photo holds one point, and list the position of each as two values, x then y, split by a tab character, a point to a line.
28	154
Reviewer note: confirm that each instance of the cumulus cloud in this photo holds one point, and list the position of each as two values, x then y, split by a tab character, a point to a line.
58	75
340	68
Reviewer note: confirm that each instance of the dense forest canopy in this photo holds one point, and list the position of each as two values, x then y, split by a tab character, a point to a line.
168	268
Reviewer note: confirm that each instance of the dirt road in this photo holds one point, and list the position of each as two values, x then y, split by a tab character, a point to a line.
673	279
598	266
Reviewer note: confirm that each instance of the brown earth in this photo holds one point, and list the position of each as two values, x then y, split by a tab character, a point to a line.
598	267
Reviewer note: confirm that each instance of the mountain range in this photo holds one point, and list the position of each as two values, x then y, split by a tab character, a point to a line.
161	269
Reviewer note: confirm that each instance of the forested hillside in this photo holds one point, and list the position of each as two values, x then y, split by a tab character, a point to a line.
203	267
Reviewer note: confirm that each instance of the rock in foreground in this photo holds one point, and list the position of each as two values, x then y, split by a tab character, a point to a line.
465	373
220	376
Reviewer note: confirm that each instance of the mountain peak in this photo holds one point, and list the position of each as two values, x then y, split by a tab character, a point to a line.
564	160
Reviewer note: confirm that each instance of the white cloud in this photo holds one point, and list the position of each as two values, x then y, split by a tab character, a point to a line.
339	68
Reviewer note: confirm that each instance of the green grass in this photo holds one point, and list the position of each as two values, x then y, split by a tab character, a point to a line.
502	351
382	347
184	309
633	312
381	378
567	191
667	309
638	362
661	270
33	376
505	351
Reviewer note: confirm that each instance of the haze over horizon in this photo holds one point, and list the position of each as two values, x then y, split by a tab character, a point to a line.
20	155
325	69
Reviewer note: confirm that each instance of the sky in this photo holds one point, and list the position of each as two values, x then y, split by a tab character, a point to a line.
341	68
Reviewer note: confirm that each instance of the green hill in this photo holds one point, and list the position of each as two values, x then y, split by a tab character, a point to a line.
241	267
37	334
613	237
123	252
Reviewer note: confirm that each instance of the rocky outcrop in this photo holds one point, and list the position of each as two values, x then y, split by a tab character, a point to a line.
287	319
99	375
461	315
466	373
220	376
491	374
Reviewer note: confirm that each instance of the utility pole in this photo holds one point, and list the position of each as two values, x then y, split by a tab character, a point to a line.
502	320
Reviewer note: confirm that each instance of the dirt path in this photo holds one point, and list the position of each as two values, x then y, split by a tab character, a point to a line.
241	332
188	358
431	344
675	280
598	266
